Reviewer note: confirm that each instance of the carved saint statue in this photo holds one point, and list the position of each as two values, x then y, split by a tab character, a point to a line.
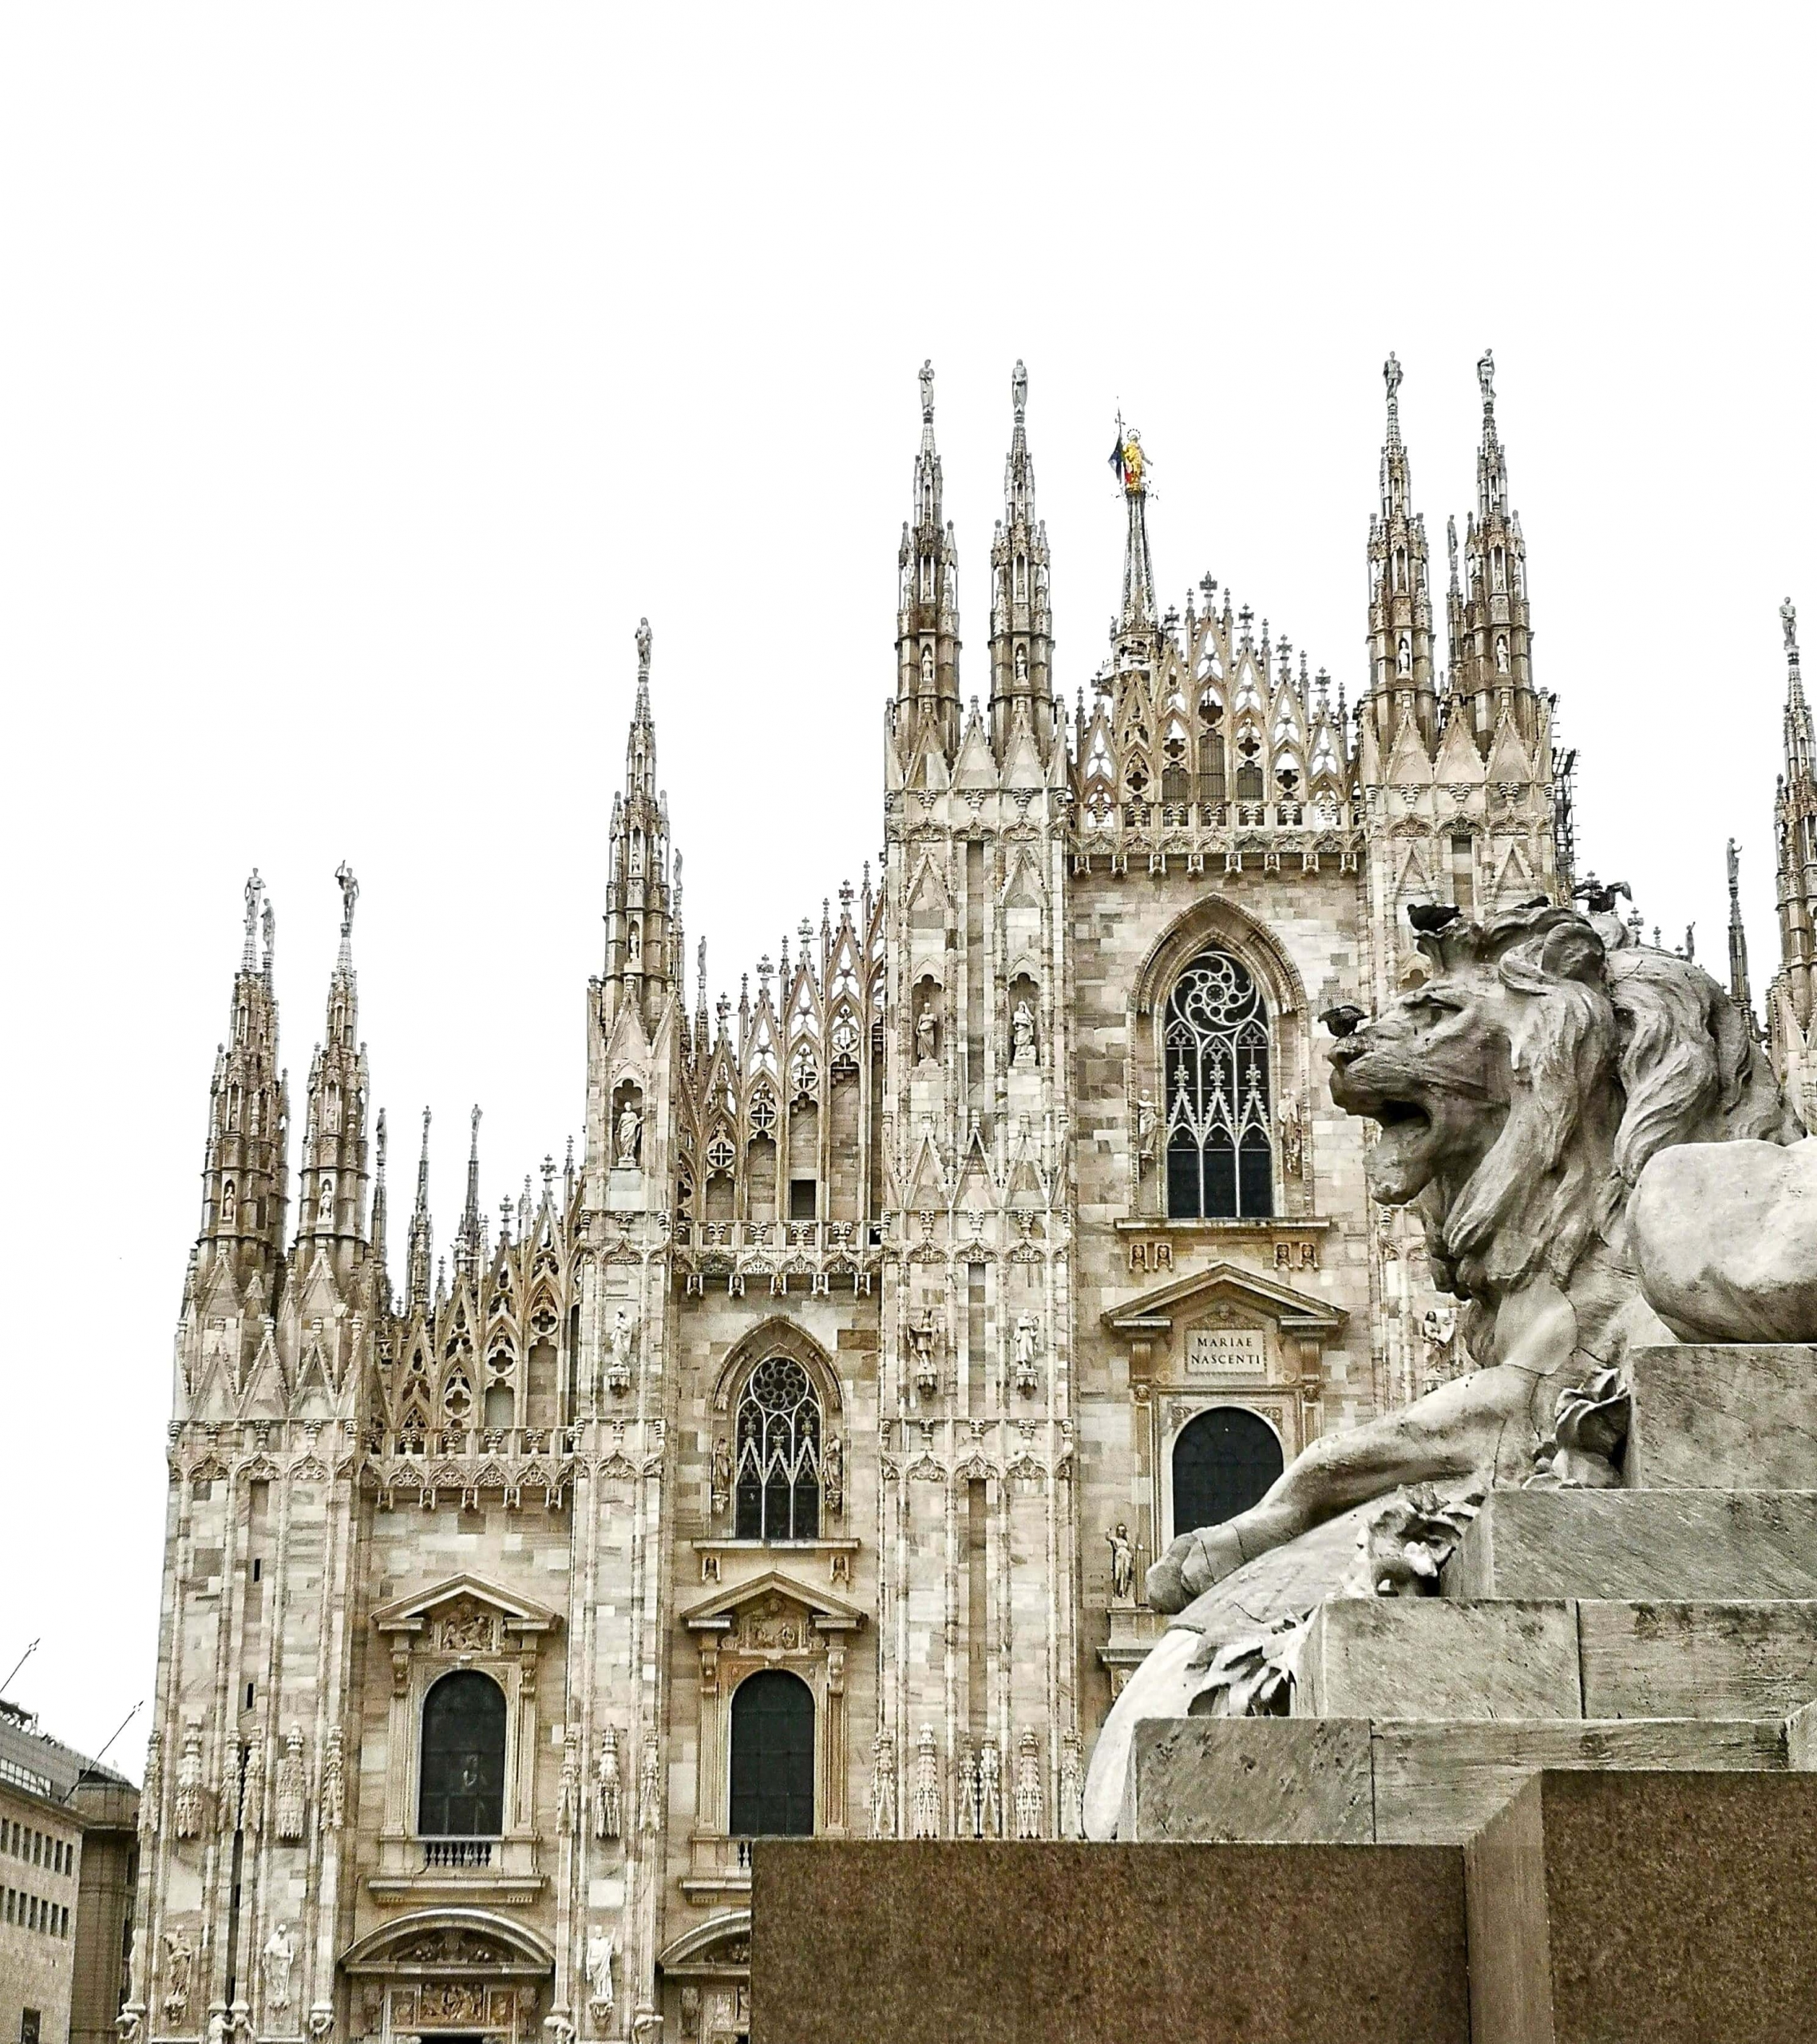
1027	1342
833	1472
350	894
721	1474
1022	1034
927	388
1788	624
1391	375
650	1789
230	1204
971	1816
922	1334
1485	376
252	1787
644	642
1146	1117
280	1956
1021	661
1293	1137
624	1332
1018	389
924	1034
179	1958
1071	1800
1403	655
1122	1563
630	1134
600	1972
567	1812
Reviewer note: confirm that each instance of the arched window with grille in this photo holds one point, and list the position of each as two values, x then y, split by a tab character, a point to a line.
1225	1461
772	1757
461	1790
1219	1121
778	1466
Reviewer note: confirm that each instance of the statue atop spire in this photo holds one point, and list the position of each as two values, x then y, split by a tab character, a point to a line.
1391	376
1019	390
350	894
1485	378
1788	624
1137	621
254	891
927	374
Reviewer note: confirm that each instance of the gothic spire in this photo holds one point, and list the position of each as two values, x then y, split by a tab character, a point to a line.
641	911
331	1180
416	1297
1022	643
1796	818
1492	665
1400	601
1136	620
243	1171
381	1275
469	1244
1738	985
926	621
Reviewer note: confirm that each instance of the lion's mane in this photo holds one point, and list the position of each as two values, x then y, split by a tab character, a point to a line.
1612	1056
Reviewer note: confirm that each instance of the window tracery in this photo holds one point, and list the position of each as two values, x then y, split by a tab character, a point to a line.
778	1470
1219	1146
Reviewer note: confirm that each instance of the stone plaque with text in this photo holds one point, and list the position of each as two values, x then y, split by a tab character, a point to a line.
1227	1352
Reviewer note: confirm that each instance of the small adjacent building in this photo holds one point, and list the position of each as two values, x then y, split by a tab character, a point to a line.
68	1865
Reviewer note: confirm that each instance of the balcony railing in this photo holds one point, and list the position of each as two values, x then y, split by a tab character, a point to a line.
800	1256
457	1853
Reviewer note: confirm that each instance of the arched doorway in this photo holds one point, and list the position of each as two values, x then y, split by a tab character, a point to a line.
1224	1460
772	1757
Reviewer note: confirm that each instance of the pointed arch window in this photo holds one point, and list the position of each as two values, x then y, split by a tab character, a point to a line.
1220	1122
778	1467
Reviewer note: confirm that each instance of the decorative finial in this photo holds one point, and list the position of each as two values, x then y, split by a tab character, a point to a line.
1788	624
1486	377
1018	391
268	929
474	1148
642	649
927	392
255	890
350	894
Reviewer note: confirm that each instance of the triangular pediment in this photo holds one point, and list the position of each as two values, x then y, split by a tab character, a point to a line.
714	1614
412	1613
1154	1311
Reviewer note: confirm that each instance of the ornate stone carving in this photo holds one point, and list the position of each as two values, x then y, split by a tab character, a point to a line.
883	1787
187	1815
608	1790
1022	1052
1027	1346
650	1789
628	1136
252	1787
1072	1823
468	1628
926	1822
293	1789
990	1790
623	1338
567	1813
331	1810
1028	1797
151	1796
178	1962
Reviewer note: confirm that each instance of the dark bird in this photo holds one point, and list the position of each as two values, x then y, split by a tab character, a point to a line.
1430	917
1345	1019
1598	896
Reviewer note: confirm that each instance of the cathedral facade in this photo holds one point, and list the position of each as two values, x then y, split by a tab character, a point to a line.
789	1461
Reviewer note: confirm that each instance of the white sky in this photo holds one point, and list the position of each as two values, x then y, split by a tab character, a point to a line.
365	373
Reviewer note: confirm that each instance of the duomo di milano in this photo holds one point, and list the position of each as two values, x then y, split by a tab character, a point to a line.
790	1461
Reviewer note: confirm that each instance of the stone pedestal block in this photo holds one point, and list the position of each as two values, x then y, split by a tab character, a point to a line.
1648	1545
1741	1417
1757	1659
1000	1944
1339	1781
1250	1780
1438	1785
1428	1658
1675	1908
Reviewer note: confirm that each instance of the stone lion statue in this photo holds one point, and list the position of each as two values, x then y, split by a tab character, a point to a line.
1522	1092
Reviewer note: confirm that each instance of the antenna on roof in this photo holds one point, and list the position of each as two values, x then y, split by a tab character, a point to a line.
123	1724
20	1663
